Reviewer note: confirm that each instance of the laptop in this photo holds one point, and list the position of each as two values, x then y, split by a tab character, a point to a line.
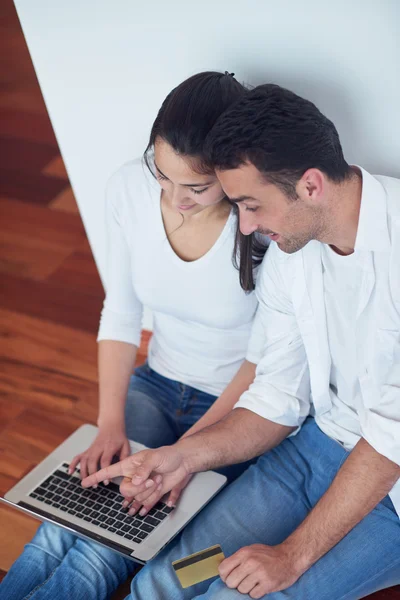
50	494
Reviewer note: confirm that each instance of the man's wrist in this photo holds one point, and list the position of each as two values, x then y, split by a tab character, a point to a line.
297	555
190	456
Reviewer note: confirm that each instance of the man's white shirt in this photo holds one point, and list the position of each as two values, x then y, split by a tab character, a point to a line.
332	332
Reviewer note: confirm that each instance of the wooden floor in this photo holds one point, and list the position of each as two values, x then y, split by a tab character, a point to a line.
50	292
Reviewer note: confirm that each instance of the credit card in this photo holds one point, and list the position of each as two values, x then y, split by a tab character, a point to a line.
199	566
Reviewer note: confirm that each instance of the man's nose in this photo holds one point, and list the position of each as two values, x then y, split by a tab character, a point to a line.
247	224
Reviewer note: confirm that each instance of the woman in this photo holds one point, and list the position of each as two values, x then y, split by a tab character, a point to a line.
169	249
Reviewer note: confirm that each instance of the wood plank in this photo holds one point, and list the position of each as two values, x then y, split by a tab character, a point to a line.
6	483
40	431
65	202
18	529
24	385
50	346
8	410
23	99
30	187
388	594
79	272
25	155
26	258
51	302
34	241
24	125
56	168
55	229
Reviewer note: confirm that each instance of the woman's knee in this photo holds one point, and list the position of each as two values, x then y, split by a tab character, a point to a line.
53	540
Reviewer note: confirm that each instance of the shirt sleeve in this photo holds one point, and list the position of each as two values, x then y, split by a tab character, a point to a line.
121	317
256	341
281	389
380	423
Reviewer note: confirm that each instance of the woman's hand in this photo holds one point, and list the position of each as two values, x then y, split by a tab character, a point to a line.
110	441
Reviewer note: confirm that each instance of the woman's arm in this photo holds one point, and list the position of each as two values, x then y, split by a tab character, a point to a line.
119	338
226	401
116	361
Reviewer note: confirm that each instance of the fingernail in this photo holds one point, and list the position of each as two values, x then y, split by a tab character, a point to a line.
95	486
159	486
149	483
170	504
142	512
125	503
133	511
136	478
158	478
106	482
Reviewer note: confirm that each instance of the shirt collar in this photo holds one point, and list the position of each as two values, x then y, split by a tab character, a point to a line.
372	231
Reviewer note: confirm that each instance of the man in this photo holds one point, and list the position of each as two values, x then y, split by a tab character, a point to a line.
317	516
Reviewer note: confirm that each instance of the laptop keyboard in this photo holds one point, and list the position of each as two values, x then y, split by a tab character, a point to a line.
101	507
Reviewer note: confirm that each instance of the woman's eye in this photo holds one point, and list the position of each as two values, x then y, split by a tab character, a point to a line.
161	178
251	209
199	191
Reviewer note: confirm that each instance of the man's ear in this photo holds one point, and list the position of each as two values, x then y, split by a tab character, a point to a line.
311	186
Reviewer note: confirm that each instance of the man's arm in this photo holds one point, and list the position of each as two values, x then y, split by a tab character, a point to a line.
361	483
218	445
365	478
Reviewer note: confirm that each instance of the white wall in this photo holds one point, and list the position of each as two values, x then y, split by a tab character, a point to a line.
106	65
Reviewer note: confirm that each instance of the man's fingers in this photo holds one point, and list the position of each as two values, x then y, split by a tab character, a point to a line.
174	496
135	506
151	500
128	490
248	584
138	467
107	473
228	565
236	576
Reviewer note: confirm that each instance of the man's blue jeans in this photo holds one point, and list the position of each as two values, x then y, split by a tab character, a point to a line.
263	506
57	564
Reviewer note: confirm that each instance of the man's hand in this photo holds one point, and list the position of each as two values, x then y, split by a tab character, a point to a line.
148	475
258	570
146	505
109	441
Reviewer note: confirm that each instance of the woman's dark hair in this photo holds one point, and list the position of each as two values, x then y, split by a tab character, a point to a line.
190	111
248	254
184	121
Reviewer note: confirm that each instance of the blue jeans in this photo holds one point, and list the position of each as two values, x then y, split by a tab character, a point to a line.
55	562
264	506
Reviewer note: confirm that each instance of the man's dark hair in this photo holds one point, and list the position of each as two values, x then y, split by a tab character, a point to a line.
282	135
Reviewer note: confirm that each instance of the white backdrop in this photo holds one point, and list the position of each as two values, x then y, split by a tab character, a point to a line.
105	66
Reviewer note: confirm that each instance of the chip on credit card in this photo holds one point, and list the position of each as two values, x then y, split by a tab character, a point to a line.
199	566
